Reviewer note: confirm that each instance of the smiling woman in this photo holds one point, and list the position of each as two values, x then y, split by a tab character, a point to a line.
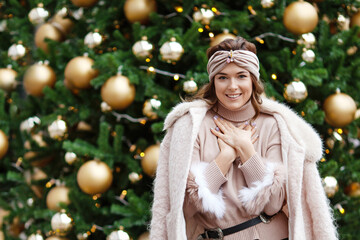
234	165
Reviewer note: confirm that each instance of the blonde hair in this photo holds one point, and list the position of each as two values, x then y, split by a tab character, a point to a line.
207	91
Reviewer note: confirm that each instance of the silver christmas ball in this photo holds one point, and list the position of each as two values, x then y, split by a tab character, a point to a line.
35	236
57	129
61	223
204	16
93	39
70	157
171	51
308	56
308	39
38	15
330	185
29	124
295	92
267	3
190	86
142	49
3	25
134	177
118	235
16	51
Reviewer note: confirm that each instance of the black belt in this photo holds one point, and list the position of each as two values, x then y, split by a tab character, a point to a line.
218	233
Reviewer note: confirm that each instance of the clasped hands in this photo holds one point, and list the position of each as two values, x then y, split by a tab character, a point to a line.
235	141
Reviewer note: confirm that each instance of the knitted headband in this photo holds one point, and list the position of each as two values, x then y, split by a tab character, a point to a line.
243	58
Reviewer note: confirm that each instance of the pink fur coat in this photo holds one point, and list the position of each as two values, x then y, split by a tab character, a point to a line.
310	216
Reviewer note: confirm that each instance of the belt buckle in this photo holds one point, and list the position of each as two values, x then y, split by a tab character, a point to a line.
218	230
264	219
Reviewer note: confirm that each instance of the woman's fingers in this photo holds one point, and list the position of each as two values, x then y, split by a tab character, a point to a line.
254	139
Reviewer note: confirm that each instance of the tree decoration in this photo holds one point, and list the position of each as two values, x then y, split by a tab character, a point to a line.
61	223
149	161
56	195
203	15
94	177
330	185
134	177
267	3
142	49
56	238
93	39
4	144
118	92
171	51
353	189
3	25
144	236
82	236
62	22
149	106
352	50
300	17
70	158
16	51
38	15
37	77
308	55
221	37
190	86
308	39
343	22
355	19
105	107
118	235
35	236
84	3
29	124
79	72
339	109
36	175
139	10
8	79
45	31
58	129
295	91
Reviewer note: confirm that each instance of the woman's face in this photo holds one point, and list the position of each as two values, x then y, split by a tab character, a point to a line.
233	86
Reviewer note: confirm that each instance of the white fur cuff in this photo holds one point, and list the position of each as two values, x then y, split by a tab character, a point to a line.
213	203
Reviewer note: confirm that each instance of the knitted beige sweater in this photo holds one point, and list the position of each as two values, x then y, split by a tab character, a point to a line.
215	200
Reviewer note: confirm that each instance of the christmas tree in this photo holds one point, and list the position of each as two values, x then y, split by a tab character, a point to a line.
85	86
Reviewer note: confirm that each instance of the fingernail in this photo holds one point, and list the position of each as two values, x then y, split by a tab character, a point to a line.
246	123
216	117
253	124
221	118
217	129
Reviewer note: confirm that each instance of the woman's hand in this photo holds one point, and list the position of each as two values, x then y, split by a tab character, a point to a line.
241	138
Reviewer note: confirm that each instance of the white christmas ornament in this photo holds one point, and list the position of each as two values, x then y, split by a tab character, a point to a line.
16	51
38	15
118	235
93	39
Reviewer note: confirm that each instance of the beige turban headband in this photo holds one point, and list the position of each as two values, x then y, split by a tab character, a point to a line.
243	58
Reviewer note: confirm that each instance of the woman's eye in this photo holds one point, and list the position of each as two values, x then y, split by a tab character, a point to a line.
221	77
242	76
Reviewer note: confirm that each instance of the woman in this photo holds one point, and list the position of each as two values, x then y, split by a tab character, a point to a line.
235	166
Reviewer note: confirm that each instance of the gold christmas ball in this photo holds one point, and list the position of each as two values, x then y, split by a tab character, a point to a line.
355	19
144	236
339	109
16	51
149	161
295	92
353	190
84	3
37	160
36	175
139	10
118	92
61	223
16	227
3	213
58	194
171	51
79	72
35	236
330	185
47	30
94	177
58	129
142	49
37	77
300	17
62	22
7	79
149	106
221	37
4	144
118	235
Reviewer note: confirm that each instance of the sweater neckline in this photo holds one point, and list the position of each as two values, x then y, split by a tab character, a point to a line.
246	112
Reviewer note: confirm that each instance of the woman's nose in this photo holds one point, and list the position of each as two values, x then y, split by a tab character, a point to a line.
232	84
